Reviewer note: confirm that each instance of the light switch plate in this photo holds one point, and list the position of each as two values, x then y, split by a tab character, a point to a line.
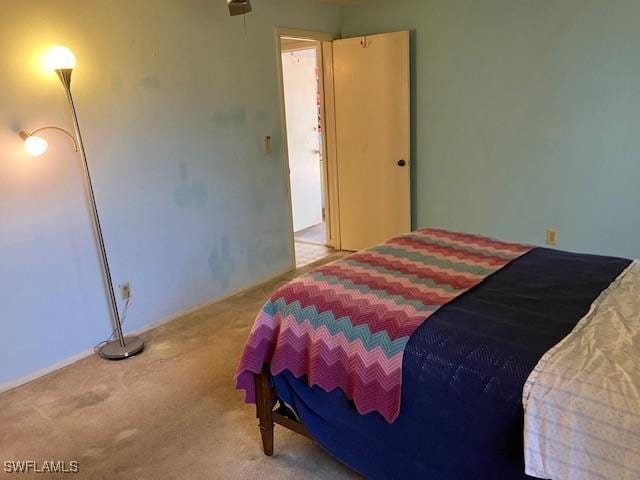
268	145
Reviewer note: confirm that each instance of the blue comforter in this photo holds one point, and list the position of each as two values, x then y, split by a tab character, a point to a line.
463	373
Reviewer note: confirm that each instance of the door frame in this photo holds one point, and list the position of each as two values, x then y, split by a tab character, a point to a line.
328	127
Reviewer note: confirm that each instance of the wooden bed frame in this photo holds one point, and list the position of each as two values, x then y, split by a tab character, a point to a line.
270	413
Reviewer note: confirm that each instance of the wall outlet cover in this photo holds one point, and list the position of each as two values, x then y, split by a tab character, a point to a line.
125	291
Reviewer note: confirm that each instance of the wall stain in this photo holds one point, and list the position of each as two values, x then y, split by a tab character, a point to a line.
221	264
259	255
189	193
149	82
262	115
116	83
259	201
232	118
253	256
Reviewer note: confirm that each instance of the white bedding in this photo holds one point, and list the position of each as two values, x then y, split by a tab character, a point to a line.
582	401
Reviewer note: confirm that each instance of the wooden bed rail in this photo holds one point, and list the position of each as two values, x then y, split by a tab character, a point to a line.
268	415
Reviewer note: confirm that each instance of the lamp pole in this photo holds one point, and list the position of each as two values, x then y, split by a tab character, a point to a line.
123	347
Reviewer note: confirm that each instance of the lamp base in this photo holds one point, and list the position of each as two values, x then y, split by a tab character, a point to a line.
114	351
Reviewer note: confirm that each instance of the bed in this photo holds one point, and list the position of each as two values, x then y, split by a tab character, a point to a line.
467	369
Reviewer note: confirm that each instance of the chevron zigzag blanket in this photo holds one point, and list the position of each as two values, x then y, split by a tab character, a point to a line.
346	324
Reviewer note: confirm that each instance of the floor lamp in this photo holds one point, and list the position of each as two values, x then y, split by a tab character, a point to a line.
62	61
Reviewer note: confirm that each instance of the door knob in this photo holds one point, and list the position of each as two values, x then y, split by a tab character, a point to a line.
402	163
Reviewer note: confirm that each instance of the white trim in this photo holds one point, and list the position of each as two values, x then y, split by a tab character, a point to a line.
5	387
332	218
303	35
297	45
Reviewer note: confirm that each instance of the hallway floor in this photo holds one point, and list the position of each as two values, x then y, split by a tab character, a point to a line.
307	253
314	234
170	413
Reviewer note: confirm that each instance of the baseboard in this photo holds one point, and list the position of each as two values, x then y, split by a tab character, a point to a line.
5	387
206	303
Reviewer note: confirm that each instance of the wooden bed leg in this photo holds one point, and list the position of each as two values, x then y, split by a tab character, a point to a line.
264	407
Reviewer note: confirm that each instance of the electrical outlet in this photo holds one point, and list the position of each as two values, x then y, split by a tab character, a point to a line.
125	291
552	237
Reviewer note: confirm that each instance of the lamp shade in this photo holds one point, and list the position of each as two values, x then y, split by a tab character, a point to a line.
239	7
59	58
35	146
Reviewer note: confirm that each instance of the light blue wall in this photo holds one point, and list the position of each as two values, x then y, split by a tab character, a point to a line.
173	99
526	116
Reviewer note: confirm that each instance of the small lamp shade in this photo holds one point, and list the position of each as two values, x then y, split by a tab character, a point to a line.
59	58
35	146
239	7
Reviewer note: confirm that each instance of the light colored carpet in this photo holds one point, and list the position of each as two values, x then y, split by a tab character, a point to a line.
170	413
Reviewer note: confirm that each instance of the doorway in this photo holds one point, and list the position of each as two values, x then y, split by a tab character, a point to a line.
349	186
302	81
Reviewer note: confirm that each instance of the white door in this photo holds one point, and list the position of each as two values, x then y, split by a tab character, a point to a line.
372	113
300	79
